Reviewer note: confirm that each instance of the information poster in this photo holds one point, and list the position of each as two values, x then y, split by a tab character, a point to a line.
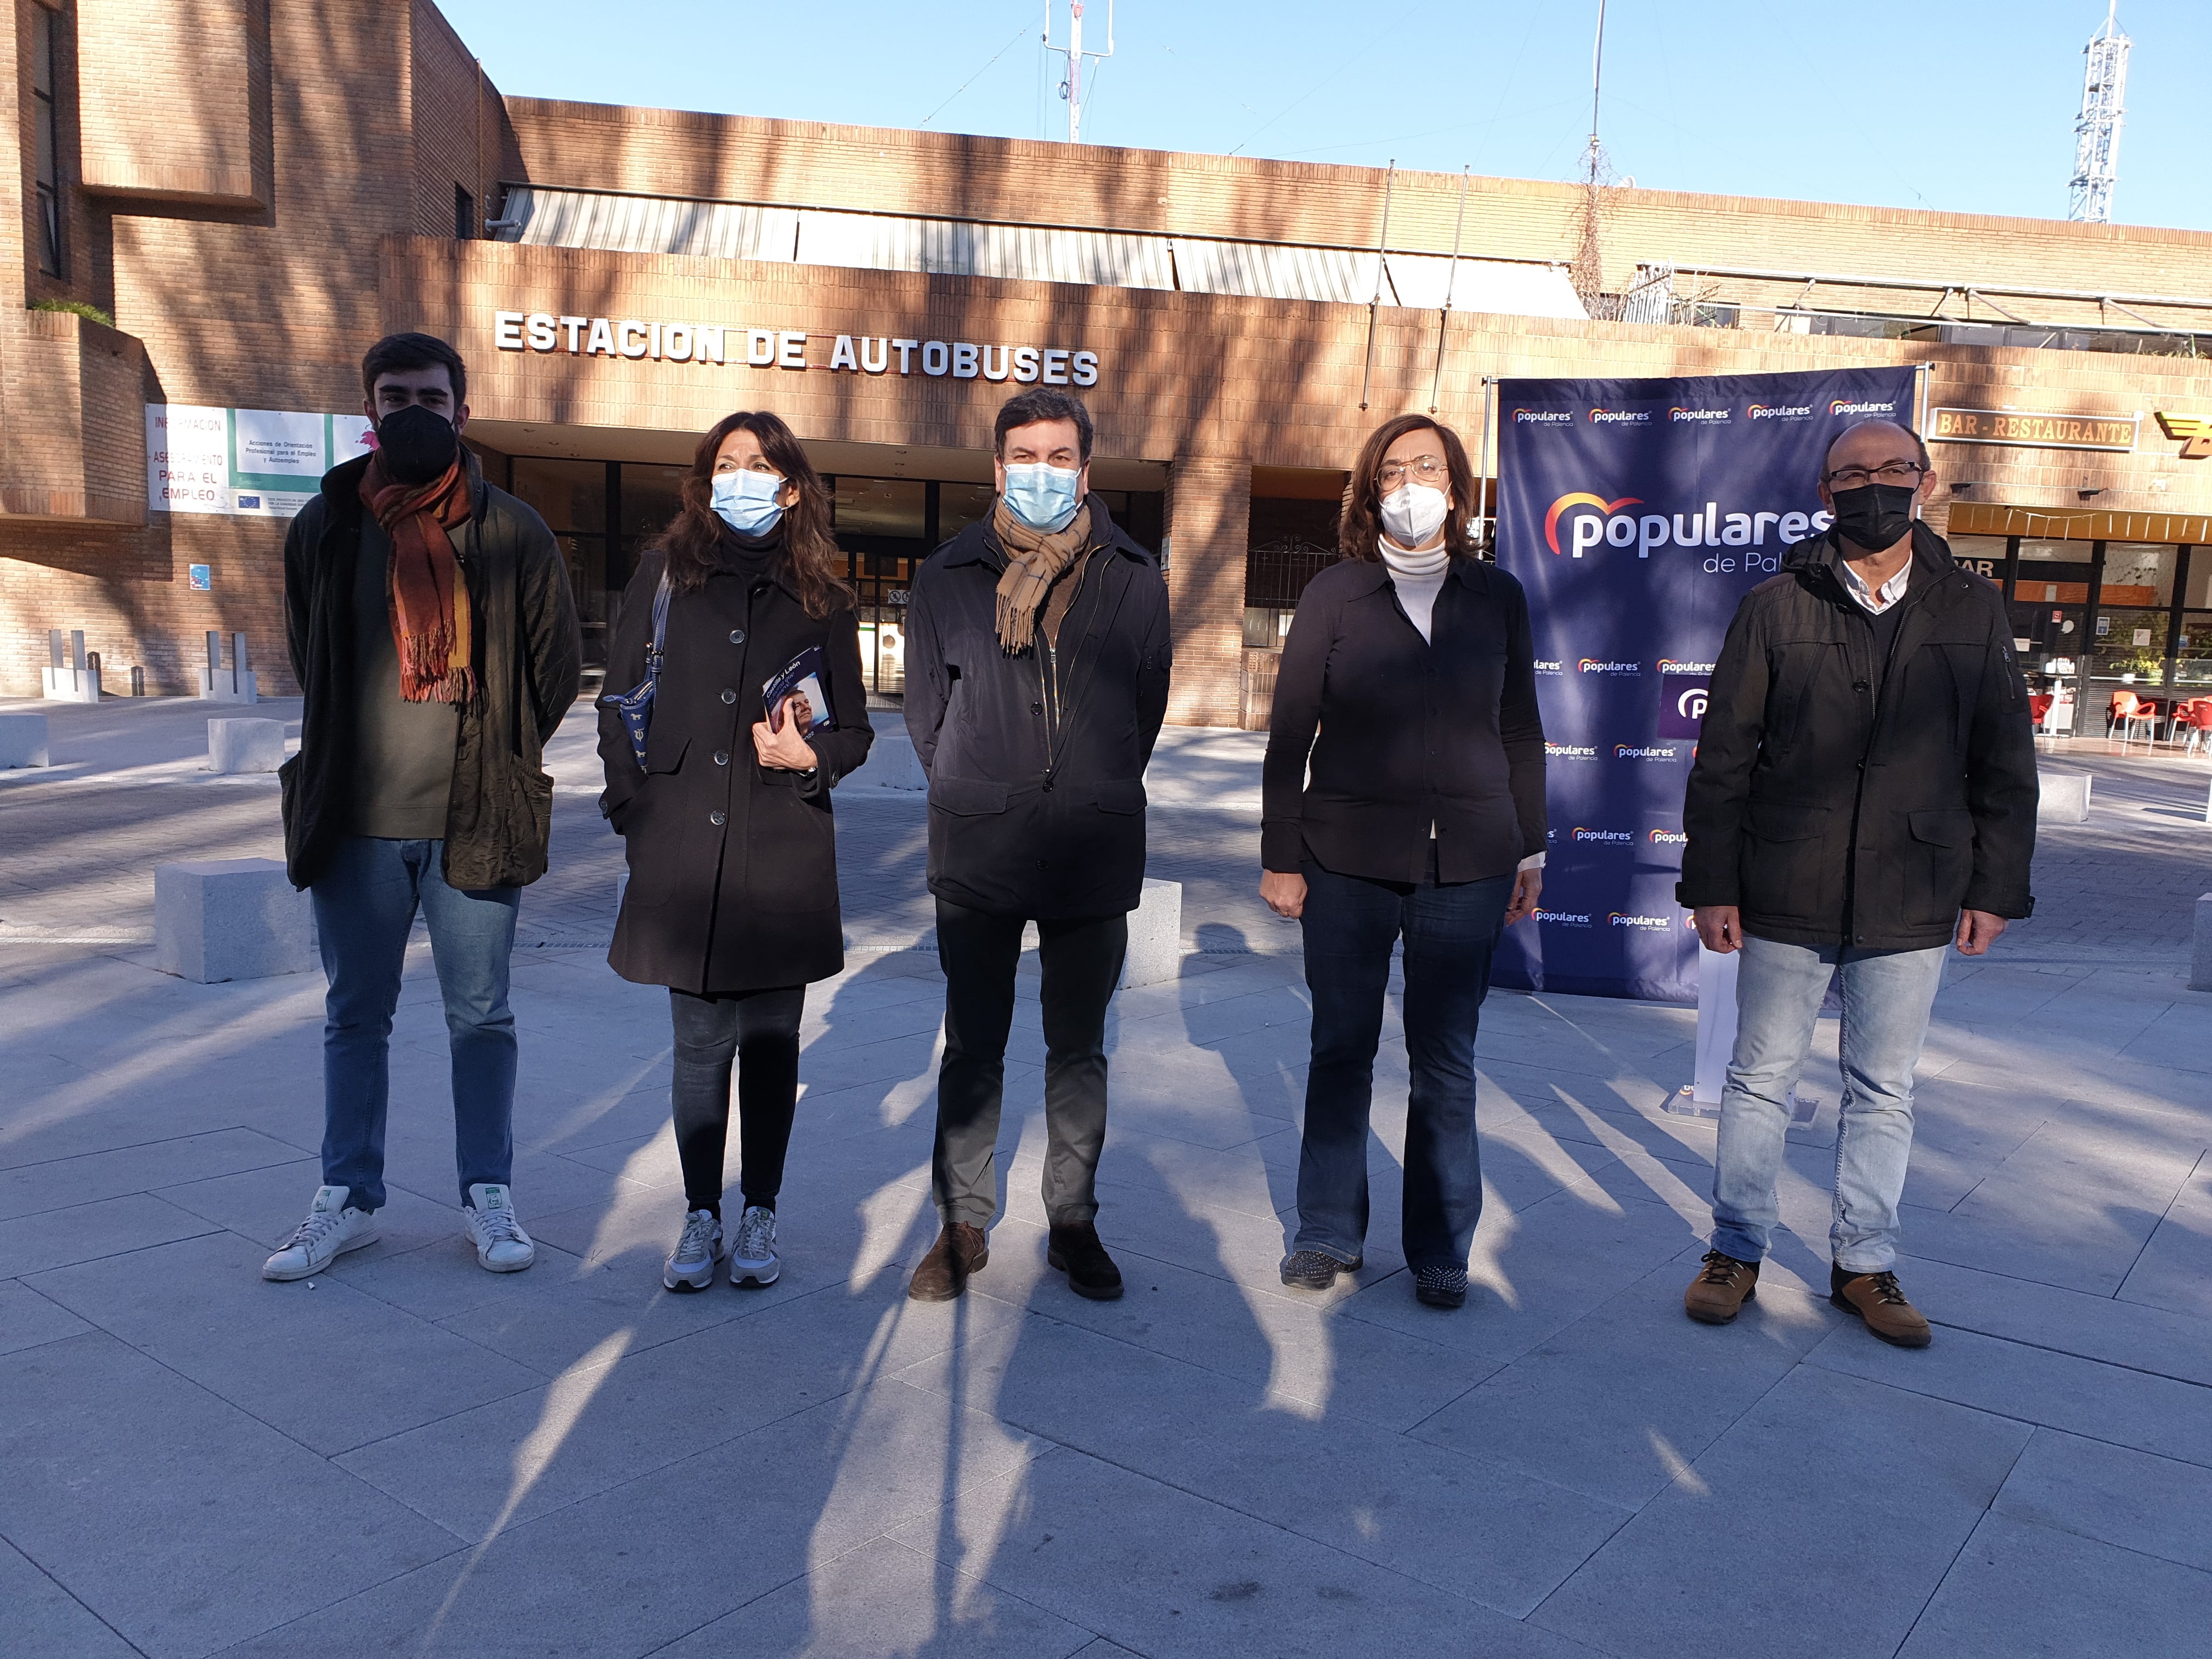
256	463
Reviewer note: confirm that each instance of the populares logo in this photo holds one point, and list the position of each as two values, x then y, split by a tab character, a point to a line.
1650	923
1548	666
1595	666
1632	751
1846	406
1676	665
1780	411
1619	416
1591	520
1700	416
1563	918
1567	751
1606	838
1669	838
1543	418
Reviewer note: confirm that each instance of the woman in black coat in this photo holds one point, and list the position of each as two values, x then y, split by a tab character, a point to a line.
1408	680
732	895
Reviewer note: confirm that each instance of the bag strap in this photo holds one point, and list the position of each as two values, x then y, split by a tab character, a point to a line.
660	614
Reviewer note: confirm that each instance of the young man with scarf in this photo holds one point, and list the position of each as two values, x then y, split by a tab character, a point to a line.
1863	799
433	635
1037	662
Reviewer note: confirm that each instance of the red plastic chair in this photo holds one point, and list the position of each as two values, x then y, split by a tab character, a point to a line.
2197	717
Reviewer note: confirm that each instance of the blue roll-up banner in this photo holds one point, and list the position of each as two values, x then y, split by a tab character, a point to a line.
1637	513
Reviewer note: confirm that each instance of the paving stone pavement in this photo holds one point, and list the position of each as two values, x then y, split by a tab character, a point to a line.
407	1455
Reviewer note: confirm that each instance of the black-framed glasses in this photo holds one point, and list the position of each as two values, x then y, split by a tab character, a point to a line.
1902	473
1422	469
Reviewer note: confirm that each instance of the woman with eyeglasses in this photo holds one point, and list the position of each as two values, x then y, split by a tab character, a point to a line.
1403	798
758	708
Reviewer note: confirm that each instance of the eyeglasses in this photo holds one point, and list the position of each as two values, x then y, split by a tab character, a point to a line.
1423	468
1890	473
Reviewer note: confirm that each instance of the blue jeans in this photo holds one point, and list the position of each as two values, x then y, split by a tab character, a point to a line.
364	905
1350	925
1887	996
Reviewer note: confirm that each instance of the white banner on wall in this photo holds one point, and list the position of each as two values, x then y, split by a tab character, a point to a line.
257	462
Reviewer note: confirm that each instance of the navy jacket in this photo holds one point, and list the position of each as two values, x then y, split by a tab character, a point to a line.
1035	761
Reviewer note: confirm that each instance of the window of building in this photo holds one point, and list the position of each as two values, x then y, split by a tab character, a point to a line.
46	84
464	214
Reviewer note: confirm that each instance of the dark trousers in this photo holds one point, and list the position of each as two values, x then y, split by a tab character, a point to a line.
756	1033
365	905
1350	925
1082	963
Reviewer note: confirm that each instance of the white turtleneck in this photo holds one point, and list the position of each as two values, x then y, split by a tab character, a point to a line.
1419	578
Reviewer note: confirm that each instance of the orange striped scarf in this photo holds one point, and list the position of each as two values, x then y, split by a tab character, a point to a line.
431	622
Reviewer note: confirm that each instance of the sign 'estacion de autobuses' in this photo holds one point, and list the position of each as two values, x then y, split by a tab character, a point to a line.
654	340
2033	428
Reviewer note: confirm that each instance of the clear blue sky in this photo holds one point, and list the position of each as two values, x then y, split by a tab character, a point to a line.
1962	104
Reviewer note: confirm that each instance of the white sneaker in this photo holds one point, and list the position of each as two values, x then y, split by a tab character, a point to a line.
332	1227
752	1252
690	1265
501	1245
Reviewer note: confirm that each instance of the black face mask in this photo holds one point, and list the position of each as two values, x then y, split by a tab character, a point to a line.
1875	517
417	444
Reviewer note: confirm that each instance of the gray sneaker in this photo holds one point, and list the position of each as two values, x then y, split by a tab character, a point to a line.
332	1227
690	1265
752	1250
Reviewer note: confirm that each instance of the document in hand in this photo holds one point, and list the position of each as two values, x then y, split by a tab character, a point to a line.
802	677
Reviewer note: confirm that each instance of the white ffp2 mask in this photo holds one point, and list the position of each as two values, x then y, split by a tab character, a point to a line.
1412	512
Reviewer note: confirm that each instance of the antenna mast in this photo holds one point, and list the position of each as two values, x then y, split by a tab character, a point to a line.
1071	87
2097	129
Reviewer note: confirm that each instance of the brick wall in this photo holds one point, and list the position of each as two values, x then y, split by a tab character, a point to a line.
605	147
201	136
1209	509
262	307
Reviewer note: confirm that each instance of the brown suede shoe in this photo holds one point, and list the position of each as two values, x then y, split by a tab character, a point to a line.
1717	1294
1875	1298
959	1251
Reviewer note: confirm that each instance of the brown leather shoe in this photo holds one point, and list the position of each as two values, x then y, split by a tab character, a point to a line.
1875	1298
959	1251
1717	1294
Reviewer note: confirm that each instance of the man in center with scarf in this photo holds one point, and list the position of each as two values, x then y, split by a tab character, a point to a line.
1038	661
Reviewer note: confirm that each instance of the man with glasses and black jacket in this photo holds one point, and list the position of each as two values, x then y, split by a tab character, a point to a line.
1863	799
1038	661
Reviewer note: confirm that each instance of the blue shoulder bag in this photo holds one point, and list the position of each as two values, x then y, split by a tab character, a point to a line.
634	707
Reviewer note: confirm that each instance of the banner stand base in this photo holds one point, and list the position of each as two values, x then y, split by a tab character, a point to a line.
1684	1103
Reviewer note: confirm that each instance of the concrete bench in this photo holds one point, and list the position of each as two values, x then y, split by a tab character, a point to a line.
891	764
2200	974
2064	798
23	740
224	918
245	746
1155	952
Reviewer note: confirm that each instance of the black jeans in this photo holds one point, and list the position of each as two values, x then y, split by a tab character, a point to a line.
759	1029
1350	925
1082	963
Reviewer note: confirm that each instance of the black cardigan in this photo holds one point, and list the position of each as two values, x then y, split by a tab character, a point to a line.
1412	734
733	867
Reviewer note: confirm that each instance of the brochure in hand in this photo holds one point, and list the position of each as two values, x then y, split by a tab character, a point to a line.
801	677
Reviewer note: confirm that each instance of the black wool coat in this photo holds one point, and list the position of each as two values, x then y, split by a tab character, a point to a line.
528	653
1412	733
1837	799
733	867
1037	761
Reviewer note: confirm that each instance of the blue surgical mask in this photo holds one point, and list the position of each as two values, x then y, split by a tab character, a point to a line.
747	501
1043	497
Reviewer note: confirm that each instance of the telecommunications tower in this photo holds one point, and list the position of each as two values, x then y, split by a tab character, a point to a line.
2097	129
1074	52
